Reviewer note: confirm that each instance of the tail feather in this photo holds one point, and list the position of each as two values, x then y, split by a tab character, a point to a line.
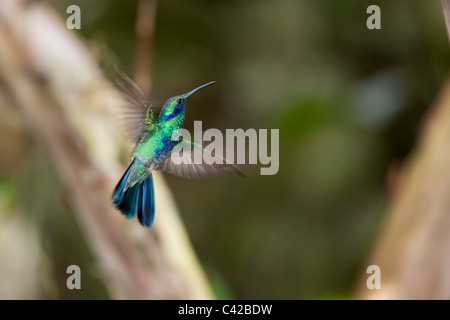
119	193
138	199
146	208
130	202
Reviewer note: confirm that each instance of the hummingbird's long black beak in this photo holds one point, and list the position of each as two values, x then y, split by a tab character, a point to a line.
186	95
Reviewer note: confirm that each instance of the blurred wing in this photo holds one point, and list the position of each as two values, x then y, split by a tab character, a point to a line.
188	169
139	114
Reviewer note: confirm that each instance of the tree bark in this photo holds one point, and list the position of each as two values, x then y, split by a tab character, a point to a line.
66	106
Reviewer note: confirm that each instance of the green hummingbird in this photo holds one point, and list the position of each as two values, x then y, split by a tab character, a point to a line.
153	135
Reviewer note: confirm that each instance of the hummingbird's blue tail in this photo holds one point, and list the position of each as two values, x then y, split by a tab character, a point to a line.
139	199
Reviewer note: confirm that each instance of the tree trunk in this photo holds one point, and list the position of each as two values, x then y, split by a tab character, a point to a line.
413	247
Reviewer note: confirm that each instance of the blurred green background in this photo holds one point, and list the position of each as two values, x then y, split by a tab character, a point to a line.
349	103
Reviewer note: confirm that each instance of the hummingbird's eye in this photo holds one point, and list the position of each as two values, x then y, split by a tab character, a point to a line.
179	101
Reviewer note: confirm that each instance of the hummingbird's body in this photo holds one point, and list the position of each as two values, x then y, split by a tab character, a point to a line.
155	146
134	193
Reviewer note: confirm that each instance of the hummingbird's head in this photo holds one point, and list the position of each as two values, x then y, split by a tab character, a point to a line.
175	106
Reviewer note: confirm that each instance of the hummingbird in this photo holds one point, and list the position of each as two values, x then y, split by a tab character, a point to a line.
153	135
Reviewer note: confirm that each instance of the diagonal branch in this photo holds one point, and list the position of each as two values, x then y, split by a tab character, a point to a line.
66	105
446	9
